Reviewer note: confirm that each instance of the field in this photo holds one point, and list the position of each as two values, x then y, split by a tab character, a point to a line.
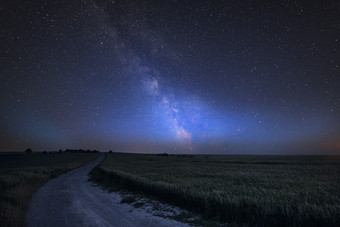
251	190
22	174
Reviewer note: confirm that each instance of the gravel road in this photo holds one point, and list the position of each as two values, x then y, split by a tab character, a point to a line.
70	200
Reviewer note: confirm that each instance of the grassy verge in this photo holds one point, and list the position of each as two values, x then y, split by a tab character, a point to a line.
254	190
22	174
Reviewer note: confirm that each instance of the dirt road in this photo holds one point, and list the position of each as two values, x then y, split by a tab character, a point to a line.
70	200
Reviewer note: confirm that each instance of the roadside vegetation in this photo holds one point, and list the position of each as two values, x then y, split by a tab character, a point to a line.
22	174
251	190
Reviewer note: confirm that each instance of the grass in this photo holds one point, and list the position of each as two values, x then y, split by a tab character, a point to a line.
22	174
252	190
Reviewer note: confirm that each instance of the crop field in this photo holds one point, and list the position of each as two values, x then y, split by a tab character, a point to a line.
251	190
22	174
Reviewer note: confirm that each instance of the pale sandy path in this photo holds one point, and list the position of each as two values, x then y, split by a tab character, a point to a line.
70	200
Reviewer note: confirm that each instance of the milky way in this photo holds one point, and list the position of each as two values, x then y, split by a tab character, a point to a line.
226	77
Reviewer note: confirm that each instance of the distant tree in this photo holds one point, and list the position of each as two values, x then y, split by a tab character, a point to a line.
44	152
110	151
28	150
163	154
60	150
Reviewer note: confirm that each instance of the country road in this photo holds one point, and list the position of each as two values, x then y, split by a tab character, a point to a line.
71	200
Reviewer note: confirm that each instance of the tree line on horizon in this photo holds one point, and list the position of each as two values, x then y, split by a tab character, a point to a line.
29	150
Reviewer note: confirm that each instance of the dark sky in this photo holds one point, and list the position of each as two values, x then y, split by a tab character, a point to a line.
241	77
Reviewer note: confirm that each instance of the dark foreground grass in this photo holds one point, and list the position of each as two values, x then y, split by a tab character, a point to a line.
252	190
22	174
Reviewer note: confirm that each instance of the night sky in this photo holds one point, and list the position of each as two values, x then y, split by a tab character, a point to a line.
215	77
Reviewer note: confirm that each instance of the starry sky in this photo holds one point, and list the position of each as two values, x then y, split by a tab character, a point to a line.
180	76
